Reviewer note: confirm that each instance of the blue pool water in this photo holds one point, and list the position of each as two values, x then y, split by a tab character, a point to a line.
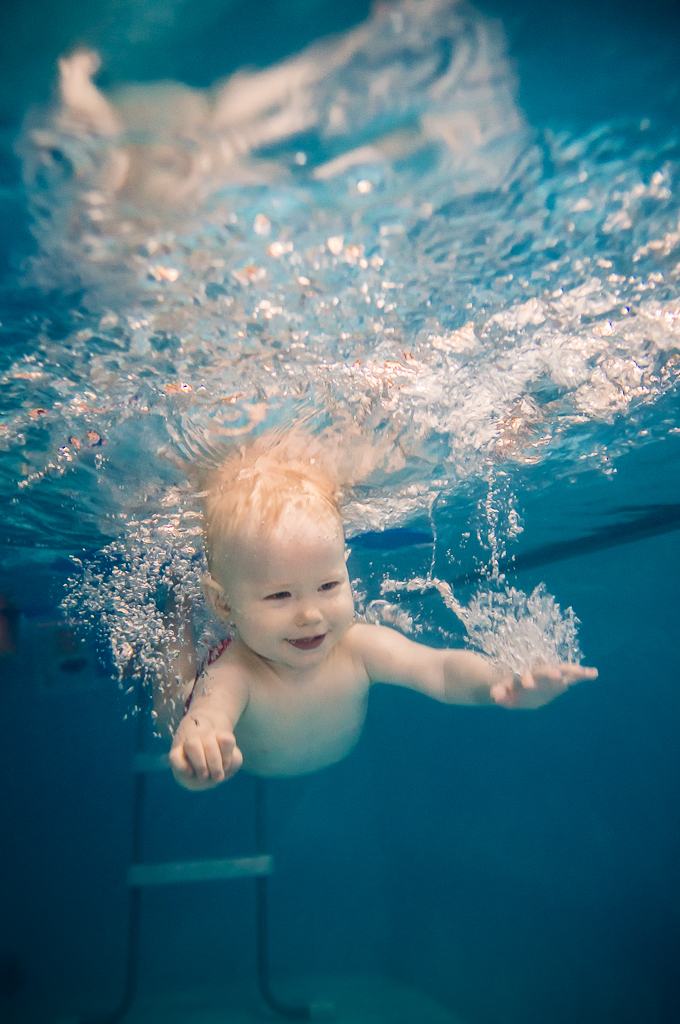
458	229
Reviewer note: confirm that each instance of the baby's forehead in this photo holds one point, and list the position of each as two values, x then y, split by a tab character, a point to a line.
305	516
293	550
295	527
299	531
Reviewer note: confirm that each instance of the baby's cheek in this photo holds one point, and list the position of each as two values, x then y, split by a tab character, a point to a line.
272	622
344	610
247	624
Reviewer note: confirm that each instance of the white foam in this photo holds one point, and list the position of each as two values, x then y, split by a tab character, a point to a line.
445	308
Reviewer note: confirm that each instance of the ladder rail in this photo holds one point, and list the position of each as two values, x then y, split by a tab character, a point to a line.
288	1011
142	875
134	898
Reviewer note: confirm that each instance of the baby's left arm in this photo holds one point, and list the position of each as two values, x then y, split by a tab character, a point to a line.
458	676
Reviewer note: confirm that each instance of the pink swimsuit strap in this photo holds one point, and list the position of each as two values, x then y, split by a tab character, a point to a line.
213	654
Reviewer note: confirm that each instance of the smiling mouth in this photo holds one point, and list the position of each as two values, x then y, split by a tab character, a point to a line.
308	643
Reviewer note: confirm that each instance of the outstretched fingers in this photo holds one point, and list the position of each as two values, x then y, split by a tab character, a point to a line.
539	684
562	675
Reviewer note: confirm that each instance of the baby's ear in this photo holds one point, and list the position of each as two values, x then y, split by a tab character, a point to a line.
216	597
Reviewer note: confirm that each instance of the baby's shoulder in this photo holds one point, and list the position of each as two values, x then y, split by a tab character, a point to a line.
362	637
228	671
380	649
359	633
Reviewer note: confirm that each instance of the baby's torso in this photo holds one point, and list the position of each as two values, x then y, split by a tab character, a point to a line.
290	728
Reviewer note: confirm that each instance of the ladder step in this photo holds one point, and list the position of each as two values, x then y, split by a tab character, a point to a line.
147	762
171	873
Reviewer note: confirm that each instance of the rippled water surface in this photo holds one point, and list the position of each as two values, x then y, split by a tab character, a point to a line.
368	238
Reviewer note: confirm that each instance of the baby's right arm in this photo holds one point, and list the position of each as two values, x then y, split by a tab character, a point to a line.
204	751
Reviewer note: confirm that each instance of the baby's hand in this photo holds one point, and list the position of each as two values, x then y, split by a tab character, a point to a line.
538	685
202	756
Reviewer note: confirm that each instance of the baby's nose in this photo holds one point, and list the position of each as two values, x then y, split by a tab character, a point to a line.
310	613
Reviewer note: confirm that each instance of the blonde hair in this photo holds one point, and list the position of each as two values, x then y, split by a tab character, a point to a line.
252	487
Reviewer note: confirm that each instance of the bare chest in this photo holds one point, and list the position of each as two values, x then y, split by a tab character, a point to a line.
296	727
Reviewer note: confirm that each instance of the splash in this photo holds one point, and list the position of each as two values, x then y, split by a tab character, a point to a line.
517	631
368	237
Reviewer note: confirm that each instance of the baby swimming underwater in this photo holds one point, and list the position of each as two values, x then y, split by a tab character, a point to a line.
288	695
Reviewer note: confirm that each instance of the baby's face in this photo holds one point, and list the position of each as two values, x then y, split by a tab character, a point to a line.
289	592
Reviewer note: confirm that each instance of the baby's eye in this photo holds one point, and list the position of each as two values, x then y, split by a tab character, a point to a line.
279	596
330	586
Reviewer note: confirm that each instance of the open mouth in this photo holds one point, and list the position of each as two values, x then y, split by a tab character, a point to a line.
308	643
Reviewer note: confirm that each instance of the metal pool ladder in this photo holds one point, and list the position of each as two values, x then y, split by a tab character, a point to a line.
141	875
